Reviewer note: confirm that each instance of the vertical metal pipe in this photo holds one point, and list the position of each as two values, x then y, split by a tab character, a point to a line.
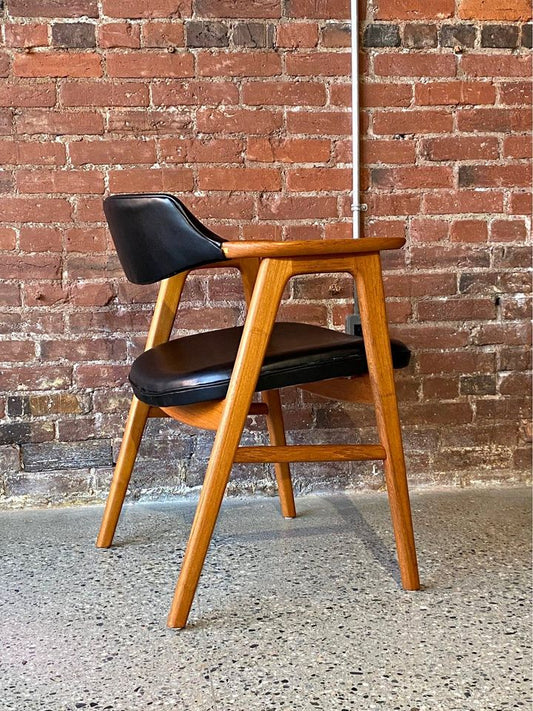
356	206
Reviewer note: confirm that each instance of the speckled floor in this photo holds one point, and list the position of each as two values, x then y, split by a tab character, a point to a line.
293	615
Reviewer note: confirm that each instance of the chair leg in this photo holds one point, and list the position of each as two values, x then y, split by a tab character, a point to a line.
257	329
131	439
276	431
377	345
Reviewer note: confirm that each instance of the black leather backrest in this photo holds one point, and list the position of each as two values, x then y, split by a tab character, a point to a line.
156	236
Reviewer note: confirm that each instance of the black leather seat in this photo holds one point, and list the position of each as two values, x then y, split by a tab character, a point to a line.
198	368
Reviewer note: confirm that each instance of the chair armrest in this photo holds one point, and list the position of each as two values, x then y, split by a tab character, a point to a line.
310	248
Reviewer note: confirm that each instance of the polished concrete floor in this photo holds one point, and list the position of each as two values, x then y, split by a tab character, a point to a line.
292	615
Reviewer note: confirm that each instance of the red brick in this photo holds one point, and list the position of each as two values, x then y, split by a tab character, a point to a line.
142	180
456	256
247	179
388	151
86	239
150	64
88	209
393	204
278	207
36	121
308	180
384	94
163	34
413	122
143	121
284	93
35	378
31	153
238	64
60	181
415	65
22	209
236	120
496	65
469	231
194	93
463	201
36	266
26	35
10	294
83	349
488	334
94	376
412	177
238	8
297	35
214	150
521	204
406	10
325	123
109	151
53	8
319	9
22	94
464	309
8	238
515	93
316	64
461	362
457	148
57	64
421	335
493	10
291	150
40	239
224	206
454	93
420	284
140	9
103	93
119	34
508	231
426	230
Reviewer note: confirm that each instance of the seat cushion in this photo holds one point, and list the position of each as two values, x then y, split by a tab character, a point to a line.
198	368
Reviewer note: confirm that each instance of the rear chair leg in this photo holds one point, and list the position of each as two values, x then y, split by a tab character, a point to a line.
276	431
131	439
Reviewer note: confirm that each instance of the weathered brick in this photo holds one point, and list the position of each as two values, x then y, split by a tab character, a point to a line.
26	35
405	10
162	33
254	35
294	35
238	8
239	64
502	36
74	34
53	8
207	34
65	455
141	9
459	35
119	34
57	64
419	35
491	10
381	35
527	35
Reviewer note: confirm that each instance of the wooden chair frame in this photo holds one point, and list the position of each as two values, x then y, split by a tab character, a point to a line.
265	269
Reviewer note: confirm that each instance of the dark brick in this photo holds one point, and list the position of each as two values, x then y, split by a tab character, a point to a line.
420	36
457	35
20	432
73	34
18	406
207	34
478	385
379	35
526	36
467	176
254	34
502	36
66	455
9	459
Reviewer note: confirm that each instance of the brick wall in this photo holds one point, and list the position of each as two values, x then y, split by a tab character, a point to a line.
242	109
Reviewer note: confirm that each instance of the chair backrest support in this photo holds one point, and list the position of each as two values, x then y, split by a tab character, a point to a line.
156	236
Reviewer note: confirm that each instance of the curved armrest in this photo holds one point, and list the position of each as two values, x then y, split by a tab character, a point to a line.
310	248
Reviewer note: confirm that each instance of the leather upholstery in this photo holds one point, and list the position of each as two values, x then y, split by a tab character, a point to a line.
198	368
156	236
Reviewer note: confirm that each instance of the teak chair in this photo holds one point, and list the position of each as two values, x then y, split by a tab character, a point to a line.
209	379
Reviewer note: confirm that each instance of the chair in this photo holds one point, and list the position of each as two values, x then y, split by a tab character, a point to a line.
209	379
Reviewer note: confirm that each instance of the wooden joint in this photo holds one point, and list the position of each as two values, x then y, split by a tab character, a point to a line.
310	453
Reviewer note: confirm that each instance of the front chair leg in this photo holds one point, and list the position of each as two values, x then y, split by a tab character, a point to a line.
377	346
131	439
276	431
257	329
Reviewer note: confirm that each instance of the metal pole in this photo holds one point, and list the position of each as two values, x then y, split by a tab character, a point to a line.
356	188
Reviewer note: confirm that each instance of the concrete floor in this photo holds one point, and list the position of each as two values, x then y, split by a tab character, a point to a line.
293	615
